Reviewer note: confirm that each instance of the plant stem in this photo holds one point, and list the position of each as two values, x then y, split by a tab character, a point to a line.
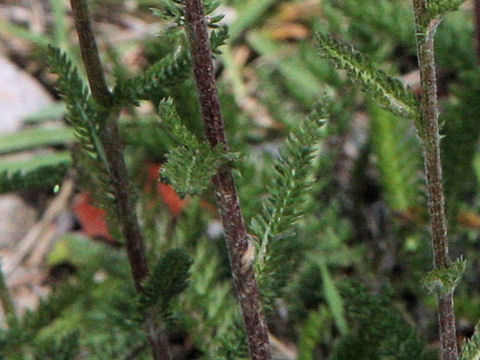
125	208
238	244
425	30
90	55
124	205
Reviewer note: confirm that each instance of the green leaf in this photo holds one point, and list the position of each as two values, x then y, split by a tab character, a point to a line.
213	320
210	6
61	30
248	13
168	71
380	26
168	279
437	8
170	10
36	137
25	34
190	170
377	330
398	158
386	90
76	249
191	165
334	300
65	348
87	120
218	38
83	114
442	281
274	225
471	348
311	333
54	111
39	172
302	82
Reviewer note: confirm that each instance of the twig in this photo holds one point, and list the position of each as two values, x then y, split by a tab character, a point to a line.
110	136
238	244
425	30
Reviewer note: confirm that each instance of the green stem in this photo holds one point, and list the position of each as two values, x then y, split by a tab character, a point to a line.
425	30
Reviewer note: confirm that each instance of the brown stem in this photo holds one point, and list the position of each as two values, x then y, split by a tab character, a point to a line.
90	55
425	29
238	245
113	147
476	5
125	209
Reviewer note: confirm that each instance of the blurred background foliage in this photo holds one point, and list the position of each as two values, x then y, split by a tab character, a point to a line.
364	240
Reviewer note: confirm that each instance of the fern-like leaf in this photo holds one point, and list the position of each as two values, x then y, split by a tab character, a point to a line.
192	164
82	115
444	280
172	10
398	158
33	321
168	279
386	90
437	8
168	71
371	320
66	348
377	21
39	178
311	333
40	172
212	319
284	208
218	38
471	349
86	119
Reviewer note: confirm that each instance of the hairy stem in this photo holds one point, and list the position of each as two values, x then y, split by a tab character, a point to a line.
125	209
90	56
238	243
124	205
425	30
